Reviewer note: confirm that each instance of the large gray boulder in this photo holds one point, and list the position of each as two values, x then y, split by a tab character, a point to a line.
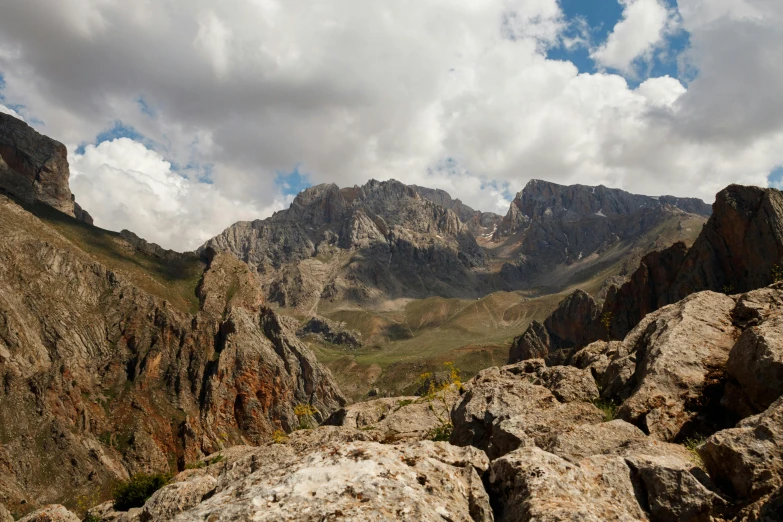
747	460
533	485
356	481
680	351
505	408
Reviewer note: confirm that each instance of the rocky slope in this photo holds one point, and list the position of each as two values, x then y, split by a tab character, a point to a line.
528	442
739	249
101	379
34	168
550	226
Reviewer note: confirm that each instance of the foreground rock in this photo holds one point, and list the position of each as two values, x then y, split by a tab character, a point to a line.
398	418
505	408
536	485
747	461
53	513
358	481
680	357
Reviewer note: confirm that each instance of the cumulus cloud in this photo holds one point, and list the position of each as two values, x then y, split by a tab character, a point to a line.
130	186
349	90
642	30
6	110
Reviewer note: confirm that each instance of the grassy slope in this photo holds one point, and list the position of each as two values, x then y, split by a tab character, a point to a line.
174	281
475	334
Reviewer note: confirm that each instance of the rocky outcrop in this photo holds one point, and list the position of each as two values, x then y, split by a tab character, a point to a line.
331	332
505	408
356	481
362	244
52	513
567	327
102	379
34	168
398	418
739	249
681	352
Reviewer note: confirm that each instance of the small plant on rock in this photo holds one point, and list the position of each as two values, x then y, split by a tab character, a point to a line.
279	437
608	408
136	491
304	413
436	395
777	274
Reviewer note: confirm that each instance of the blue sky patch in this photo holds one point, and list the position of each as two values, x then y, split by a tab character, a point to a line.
775	178
119	130
292	183
596	19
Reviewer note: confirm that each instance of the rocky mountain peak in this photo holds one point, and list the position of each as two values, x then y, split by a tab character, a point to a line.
34	168
382	237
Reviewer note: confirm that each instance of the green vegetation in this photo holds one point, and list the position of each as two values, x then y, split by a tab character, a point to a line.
777	274
304	413
136	491
436	395
691	444
608	408
606	320
279	437
174	280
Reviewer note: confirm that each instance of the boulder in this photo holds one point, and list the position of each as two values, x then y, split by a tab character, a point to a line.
756	361
177	497
747	461
51	513
681	352
533	485
672	491
503	408
420	481
615	437
409	418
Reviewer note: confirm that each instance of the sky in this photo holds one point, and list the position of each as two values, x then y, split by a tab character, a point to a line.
182	117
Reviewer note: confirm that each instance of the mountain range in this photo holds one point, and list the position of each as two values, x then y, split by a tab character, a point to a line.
610	356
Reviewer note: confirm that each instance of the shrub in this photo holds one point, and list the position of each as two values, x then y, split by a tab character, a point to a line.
608	408
304	413
279	437
136	491
436	395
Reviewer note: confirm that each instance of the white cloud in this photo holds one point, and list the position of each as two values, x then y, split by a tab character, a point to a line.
351	90
126	185
641	31
6	110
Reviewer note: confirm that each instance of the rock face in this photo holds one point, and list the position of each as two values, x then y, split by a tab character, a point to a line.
740	245
360	244
479	223
34	168
681	351
739	249
102	379
557	225
567	327
331	332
